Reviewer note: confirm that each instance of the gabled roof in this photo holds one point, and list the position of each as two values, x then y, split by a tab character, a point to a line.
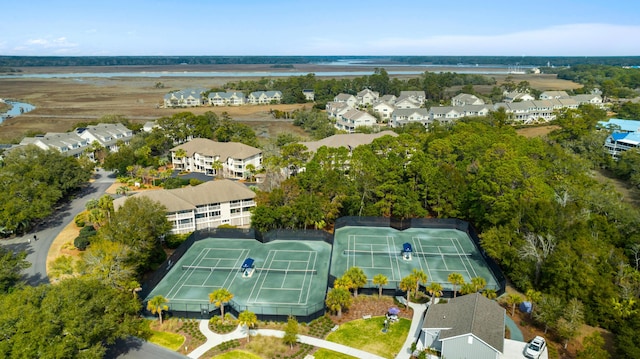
224	150
343	97
586	98
355	115
555	94
468	314
419	94
350	141
410	111
187	198
442	110
466	98
226	95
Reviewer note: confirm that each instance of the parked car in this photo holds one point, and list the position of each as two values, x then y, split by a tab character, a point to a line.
535	347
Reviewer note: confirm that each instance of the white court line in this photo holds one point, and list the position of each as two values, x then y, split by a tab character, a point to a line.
442	258
423	258
391	258
462	261
237	264
475	274
188	274
255	284
315	260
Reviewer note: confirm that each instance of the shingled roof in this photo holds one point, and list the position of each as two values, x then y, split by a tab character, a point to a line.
187	198
223	149
469	314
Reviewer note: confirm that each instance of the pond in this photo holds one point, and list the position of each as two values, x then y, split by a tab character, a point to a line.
17	109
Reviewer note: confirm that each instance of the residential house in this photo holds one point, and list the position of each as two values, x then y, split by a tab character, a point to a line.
353	119
444	114
473	110
337	109
367	97
625	135
388	98
229	98
185	98
264	97
466	324
554	95
229	159
407	102
384	109
68	143
520	112
149	126
108	135
591	99
309	94
350	100
417	96
207	205
403	116
517	96
466	99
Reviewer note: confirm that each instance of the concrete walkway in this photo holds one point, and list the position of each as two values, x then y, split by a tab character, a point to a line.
214	339
414	330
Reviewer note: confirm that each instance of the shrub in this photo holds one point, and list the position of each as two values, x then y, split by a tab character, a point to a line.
194	182
173	241
80	219
81	242
87	231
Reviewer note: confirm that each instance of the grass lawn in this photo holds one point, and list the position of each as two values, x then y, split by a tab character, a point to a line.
367	335
168	340
236	354
328	354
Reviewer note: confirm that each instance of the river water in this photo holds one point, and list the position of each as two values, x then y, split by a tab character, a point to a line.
17	109
486	70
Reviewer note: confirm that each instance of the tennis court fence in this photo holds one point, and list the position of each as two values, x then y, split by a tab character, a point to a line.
264	313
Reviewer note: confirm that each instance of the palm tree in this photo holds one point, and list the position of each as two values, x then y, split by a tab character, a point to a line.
217	167
357	278
380	280
249	319
337	299
218	297
420	277
435	291
467	288
158	304
478	283
513	299
123	190
407	284
343	282
533	296
490	293
455	279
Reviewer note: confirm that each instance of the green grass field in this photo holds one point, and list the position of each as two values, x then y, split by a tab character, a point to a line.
367	335
236	354
328	354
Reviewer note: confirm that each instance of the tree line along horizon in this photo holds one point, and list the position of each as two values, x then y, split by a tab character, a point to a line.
541	214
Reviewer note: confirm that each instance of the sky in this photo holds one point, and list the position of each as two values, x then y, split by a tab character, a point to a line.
322	27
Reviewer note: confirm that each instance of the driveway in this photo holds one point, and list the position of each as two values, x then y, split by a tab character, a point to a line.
47	231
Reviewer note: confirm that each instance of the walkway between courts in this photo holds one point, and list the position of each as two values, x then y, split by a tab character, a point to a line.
214	339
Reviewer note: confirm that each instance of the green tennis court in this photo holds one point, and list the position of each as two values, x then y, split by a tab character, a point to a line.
287	277
436	251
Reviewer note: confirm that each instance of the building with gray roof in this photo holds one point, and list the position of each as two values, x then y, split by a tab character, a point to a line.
207	205
229	159
466	324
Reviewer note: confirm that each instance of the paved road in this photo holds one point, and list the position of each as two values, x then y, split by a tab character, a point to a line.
46	232
135	348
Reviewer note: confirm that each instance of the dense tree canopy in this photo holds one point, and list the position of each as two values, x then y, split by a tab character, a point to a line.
32	181
74	319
